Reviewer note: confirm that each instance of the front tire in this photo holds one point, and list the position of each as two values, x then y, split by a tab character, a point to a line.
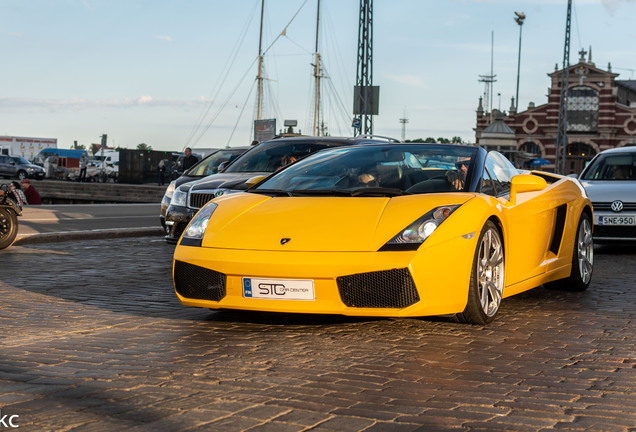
486	279
8	227
582	259
22	175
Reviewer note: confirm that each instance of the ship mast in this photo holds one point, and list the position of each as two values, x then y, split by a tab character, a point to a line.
317	77
259	77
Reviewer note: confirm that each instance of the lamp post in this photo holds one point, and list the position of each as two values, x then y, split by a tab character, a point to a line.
520	17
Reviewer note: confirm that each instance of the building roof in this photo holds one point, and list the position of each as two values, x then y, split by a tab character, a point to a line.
498	126
630	84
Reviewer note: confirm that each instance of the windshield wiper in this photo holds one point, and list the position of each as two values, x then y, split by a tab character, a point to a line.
274	192
322	192
378	191
366	191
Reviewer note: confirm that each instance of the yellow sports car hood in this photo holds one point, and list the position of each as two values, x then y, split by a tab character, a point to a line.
316	224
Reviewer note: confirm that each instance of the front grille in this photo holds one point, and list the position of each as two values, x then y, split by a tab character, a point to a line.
198	200
383	289
196	282
607	206
615	231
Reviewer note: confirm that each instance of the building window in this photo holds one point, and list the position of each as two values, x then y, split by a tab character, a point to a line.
582	109
532	148
579	149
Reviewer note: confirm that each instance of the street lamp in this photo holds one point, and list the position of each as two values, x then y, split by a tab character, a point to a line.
519	20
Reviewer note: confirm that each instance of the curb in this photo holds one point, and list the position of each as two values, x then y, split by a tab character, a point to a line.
88	235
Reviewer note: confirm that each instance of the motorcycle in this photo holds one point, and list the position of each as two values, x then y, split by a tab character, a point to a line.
9	212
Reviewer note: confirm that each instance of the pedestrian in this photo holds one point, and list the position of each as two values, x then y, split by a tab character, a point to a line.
17	194
189	159
83	165
31	194
161	171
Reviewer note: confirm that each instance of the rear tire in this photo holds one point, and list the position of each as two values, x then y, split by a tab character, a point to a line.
582	259
8	227
486	278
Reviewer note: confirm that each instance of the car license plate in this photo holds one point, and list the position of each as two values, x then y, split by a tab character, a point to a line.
617	220
278	289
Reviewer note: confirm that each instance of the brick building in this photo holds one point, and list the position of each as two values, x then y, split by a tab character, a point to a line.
601	115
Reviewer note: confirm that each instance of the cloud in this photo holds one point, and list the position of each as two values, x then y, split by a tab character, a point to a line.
408	80
16	103
164	38
612	5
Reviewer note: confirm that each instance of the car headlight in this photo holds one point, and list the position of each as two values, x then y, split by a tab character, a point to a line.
170	190
179	198
193	234
411	237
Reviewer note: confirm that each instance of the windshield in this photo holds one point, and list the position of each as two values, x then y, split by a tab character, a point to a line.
21	161
612	167
210	165
270	156
378	170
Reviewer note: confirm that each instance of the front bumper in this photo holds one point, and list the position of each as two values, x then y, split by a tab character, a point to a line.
390	284
38	175
175	222
614	232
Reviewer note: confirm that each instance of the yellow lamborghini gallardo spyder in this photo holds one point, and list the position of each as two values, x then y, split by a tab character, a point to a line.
389	230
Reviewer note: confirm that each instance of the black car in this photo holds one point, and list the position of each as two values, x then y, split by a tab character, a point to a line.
211	164
258	162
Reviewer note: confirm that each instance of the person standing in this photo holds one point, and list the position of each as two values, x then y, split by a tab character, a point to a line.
32	196
161	171
17	193
83	165
189	159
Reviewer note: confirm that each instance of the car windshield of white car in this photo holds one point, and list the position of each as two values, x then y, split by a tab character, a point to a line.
376	170
612	167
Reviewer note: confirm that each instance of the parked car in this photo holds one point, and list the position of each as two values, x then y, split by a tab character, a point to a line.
20	168
368	231
610	182
260	160
209	165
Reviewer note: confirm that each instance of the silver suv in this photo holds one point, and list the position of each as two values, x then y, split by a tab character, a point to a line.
19	167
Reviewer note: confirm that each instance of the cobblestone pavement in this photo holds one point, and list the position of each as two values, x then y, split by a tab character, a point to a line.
94	339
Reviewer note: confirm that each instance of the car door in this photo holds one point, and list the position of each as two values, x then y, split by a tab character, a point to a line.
528	224
4	166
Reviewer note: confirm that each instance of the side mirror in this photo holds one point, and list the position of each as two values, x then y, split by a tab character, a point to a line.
525	183
251	182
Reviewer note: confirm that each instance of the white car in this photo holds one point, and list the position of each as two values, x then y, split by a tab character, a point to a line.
610	182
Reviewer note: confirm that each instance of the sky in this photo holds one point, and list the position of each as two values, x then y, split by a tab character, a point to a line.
176	73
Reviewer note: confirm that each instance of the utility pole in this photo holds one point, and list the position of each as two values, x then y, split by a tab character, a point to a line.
366	96
404	121
489	79
519	19
562	134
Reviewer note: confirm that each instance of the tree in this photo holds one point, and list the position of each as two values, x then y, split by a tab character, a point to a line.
430	140
442	140
144	146
457	140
